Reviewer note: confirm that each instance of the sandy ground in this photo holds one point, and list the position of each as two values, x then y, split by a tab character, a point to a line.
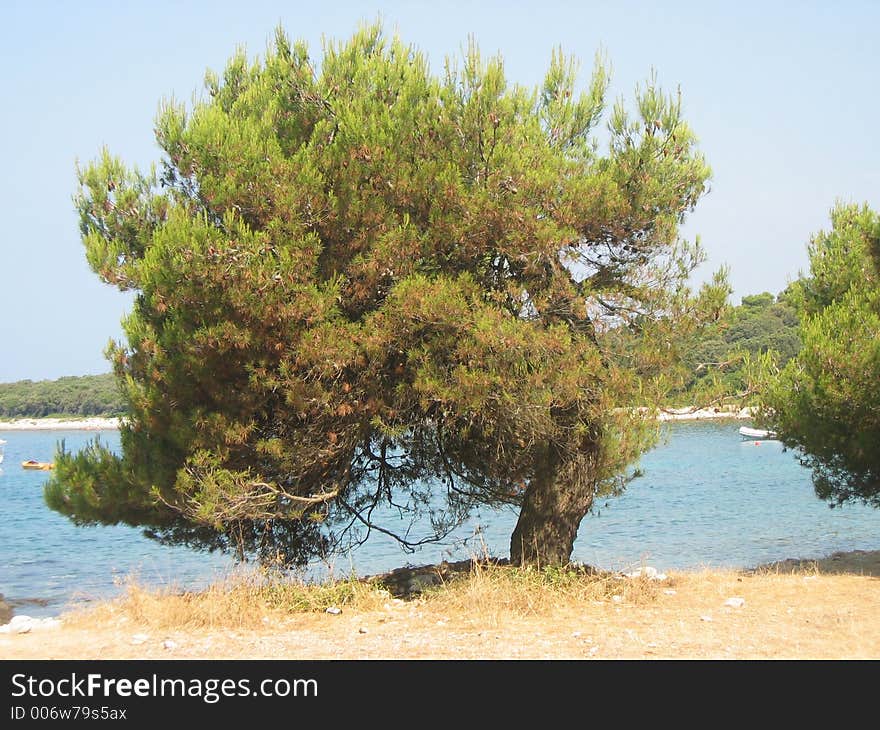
826	609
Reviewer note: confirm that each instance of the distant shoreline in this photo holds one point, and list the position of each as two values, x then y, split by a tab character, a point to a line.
61	424
700	414
111	424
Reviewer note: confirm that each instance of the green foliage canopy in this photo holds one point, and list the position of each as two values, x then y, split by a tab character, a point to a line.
826	401
360	283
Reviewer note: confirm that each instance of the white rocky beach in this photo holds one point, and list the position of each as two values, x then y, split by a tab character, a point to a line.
102	424
701	414
60	424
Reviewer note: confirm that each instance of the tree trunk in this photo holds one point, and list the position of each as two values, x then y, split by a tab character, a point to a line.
549	518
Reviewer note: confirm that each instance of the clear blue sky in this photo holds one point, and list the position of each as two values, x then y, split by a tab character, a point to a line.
782	95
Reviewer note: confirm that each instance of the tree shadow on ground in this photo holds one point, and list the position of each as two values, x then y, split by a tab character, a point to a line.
853	562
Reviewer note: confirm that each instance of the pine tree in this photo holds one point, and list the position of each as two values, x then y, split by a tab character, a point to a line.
825	403
362	283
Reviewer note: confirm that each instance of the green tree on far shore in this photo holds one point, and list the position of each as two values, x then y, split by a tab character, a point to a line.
362	285
86	395
826	401
724	357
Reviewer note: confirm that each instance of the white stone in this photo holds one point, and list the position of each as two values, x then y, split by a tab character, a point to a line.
25	624
20	624
735	602
44	623
334	610
169	644
705	618
648	572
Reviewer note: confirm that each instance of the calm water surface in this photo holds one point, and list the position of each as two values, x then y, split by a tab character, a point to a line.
706	499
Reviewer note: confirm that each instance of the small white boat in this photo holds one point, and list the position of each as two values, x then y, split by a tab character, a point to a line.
1	450
756	434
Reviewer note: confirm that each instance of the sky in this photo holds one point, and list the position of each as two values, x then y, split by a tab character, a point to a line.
782	96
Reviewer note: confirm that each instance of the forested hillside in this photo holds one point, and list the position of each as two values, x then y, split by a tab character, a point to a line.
89	395
718	361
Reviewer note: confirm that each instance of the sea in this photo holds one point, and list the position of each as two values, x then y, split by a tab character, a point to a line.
706	499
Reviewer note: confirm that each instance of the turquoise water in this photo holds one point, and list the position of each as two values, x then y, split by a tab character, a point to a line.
707	499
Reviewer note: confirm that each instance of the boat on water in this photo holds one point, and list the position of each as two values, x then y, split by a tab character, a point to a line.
1	450
40	465
756	434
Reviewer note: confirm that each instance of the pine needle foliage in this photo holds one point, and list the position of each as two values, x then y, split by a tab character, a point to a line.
362	286
825	402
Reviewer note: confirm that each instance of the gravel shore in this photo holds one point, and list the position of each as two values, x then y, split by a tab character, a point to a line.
103	424
60	424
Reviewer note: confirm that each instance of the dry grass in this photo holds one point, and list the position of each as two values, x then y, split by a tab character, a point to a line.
246	601
791	610
491	594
